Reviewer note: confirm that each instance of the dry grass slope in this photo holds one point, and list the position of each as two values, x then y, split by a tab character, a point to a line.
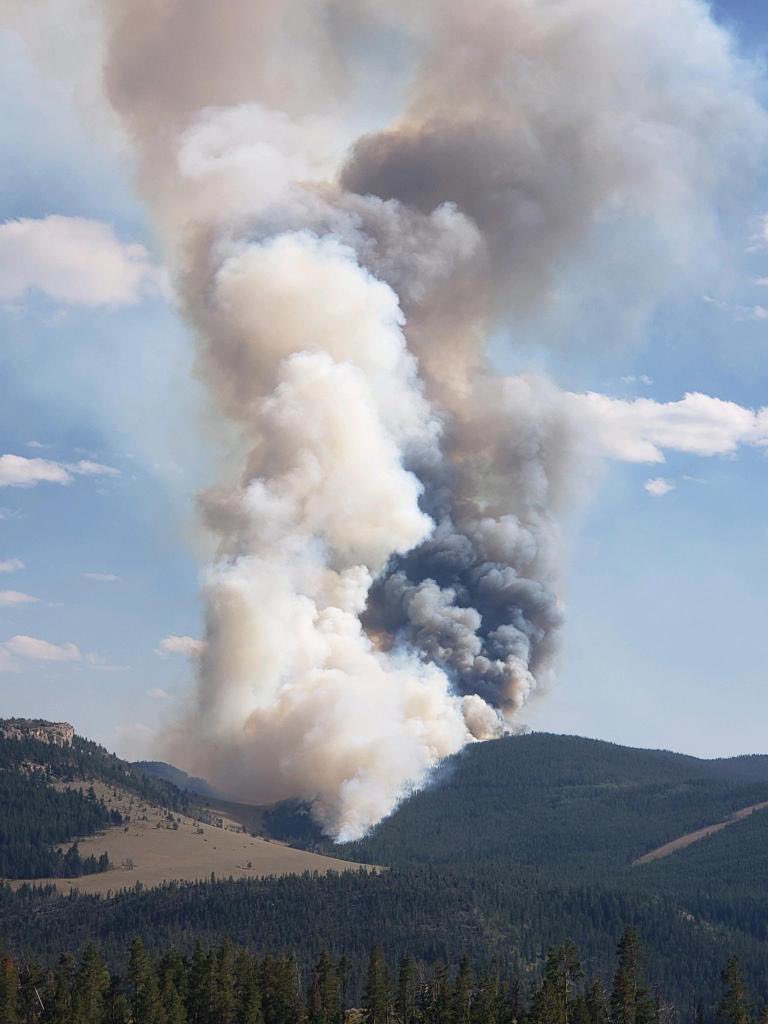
156	846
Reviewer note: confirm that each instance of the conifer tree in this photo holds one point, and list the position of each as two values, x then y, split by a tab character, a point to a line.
172	979
462	994
376	1003
249	1000
144	994
486	1008
225	996
344	970
91	988
58	1002
406	991
734	1007
323	995
631	1003
597	1003
201	987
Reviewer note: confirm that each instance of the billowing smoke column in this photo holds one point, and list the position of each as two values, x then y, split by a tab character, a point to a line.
355	196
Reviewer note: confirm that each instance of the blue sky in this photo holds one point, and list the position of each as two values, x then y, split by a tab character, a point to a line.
665	643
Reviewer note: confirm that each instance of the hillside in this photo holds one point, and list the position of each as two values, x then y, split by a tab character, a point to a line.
582	807
75	816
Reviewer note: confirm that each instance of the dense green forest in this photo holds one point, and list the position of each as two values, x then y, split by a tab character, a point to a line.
36	817
505	917
583	807
230	985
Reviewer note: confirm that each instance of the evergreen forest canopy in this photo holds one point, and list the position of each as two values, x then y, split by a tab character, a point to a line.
229	985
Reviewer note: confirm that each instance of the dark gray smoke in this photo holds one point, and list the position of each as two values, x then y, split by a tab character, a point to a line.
355	196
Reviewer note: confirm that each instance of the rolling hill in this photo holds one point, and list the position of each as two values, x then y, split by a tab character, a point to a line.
76	817
581	807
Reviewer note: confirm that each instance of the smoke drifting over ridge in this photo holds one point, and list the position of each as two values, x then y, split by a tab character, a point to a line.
385	588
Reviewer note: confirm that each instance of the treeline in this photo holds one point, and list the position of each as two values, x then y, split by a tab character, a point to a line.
229	985
83	759
36	818
502	919
581	808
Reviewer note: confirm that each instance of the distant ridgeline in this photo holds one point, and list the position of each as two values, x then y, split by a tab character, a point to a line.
38	814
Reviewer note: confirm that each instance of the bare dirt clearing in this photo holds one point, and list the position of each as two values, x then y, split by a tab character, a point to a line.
155	846
693	837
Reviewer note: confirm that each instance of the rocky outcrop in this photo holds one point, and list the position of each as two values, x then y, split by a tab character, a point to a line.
60	734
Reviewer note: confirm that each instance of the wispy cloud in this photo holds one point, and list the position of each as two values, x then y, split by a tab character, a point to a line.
33	649
641	378
641	430
186	645
101	577
11	565
21	648
158	693
74	261
10	598
19	471
38	444
659	486
741	313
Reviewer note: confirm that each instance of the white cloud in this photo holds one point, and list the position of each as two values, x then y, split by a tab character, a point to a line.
101	577
87	468
11	565
658	486
9	598
33	649
640	430
186	645
641	378
74	261
159	694
18	471
38	444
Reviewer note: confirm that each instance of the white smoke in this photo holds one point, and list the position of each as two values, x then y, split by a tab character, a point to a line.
354	197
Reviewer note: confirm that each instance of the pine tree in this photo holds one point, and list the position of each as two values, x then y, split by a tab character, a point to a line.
91	988
323	996
58	1003
9	992
146	1005
249	1001
406	991
597	1003
631	1003
733	1008
376	994
172	979
201	987
344	970
225	996
462	994
486	1007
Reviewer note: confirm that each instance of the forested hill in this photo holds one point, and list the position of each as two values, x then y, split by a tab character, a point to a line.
47	800
583	807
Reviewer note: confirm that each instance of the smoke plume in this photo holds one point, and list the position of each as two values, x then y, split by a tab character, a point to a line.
355	197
